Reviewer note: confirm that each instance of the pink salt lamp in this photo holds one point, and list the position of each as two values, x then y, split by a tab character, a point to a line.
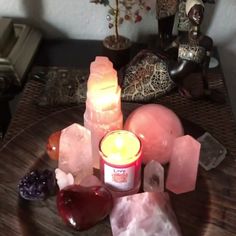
102	76
157	127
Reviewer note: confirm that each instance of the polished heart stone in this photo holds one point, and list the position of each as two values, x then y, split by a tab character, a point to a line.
53	145
83	207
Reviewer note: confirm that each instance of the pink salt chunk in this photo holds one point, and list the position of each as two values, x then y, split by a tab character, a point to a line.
100	65
182	174
143	214
75	153
102	74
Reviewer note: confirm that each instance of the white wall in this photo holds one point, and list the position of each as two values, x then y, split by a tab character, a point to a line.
80	19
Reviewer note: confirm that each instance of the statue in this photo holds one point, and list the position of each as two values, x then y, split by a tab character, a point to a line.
150	75
184	23
165	12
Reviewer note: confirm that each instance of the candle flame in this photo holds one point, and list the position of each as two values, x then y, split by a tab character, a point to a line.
120	147
119	142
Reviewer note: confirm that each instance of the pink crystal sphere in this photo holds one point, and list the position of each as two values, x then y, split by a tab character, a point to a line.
157	127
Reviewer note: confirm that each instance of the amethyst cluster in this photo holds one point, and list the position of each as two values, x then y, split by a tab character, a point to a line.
37	185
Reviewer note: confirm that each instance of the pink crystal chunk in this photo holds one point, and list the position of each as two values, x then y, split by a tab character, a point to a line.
144	214
157	127
182	174
89	181
75	154
153	180
100	65
63	179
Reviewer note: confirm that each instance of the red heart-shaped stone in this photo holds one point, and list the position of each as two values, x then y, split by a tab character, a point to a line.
82	207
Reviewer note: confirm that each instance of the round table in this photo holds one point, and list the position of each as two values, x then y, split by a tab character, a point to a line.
209	210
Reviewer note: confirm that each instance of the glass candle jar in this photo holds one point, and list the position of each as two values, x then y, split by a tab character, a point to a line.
120	163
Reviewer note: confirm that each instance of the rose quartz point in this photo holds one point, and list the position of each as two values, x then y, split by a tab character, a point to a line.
143	214
75	153
157	127
182	174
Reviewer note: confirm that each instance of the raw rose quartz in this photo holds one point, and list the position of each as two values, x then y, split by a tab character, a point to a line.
75	153
157	127
63	179
144	214
89	181
182	174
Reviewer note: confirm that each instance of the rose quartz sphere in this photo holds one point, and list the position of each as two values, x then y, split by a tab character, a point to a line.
157	127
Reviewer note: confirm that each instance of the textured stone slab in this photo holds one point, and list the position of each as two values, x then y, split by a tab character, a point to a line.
144	214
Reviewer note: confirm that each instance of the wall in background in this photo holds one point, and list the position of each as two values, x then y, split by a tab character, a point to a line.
79	19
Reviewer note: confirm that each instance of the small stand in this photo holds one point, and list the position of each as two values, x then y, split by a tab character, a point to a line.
18	45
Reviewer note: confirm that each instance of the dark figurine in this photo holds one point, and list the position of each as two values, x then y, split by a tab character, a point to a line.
184	23
194	49
151	75
165	11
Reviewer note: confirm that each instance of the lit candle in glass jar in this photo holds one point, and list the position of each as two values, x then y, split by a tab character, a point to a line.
120	166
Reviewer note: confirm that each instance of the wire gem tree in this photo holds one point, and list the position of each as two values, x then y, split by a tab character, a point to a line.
120	11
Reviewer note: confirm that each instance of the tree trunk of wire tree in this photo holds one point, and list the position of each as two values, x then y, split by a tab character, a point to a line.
116	19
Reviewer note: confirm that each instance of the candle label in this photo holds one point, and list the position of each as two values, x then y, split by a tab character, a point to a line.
120	178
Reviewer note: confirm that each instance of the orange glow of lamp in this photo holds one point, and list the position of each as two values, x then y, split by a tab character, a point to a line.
120	165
